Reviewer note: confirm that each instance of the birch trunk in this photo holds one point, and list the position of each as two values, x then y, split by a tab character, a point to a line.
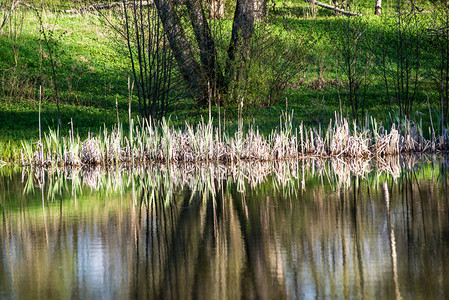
378	10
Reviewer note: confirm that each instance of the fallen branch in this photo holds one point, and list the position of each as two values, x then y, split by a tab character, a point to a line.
342	11
93	7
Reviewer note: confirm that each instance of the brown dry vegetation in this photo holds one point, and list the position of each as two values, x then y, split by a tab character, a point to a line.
147	142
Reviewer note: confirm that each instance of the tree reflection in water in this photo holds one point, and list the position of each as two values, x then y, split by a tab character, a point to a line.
298	229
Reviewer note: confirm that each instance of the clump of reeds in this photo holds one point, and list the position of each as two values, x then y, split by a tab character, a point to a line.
148	141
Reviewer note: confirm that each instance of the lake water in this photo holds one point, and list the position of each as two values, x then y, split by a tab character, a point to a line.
299	229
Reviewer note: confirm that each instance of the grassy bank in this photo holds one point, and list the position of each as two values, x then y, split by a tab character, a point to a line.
92	71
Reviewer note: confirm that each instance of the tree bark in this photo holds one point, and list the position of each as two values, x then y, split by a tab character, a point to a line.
260	10
217	9
201	29
198	76
378	9
242	29
188	66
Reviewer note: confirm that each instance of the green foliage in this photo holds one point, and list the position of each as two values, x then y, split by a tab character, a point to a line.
354	47
276	56
89	71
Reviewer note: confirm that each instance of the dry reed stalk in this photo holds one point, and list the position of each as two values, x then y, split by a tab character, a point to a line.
150	142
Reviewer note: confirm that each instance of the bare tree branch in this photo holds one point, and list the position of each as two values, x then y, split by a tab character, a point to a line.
7	15
342	11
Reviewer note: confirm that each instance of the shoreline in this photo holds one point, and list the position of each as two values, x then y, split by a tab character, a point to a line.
150	142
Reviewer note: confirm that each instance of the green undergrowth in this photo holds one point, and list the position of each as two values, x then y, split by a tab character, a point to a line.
92	72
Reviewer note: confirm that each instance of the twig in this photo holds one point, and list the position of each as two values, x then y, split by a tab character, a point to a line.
8	15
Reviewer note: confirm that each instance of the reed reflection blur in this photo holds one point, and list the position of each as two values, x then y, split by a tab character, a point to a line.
209	178
296	229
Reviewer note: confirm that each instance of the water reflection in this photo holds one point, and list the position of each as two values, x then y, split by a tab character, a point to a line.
290	176
299	229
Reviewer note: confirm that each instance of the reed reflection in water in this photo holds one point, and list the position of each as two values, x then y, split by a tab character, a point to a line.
302	229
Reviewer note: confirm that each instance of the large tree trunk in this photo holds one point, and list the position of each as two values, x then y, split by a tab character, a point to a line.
242	30
378	10
200	78
208	53
188	66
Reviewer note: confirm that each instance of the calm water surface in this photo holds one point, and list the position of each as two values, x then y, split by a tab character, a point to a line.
307	229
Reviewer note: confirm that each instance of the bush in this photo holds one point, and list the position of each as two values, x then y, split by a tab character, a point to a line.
276	57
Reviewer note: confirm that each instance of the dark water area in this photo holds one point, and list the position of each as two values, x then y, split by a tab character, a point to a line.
292	230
